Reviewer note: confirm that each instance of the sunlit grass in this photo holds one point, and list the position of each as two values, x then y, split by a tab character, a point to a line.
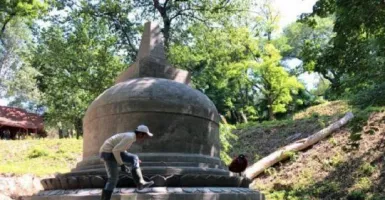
39	156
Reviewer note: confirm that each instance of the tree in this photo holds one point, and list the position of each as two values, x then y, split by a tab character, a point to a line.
126	18
75	66
25	9
218	60
176	15
117	15
356	52
267	19
273	82
15	36
310	44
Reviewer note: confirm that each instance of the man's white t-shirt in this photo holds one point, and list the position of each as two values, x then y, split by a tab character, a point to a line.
118	143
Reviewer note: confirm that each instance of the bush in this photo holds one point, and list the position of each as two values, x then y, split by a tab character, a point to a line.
374	96
226	137
356	195
38	152
367	169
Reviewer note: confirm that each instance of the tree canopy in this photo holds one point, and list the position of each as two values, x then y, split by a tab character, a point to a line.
57	56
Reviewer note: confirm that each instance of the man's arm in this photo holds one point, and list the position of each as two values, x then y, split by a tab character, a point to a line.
120	147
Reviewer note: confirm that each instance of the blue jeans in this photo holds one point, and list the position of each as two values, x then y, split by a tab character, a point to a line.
112	167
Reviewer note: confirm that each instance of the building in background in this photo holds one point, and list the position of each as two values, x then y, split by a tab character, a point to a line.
16	123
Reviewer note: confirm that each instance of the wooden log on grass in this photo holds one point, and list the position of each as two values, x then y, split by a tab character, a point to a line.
282	153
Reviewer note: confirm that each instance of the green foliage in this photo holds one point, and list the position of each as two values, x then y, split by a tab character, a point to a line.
16	16
227	138
366	169
219	59
274	82
373	96
75	67
26	9
38	152
356	195
291	155
332	141
177	15
363	183
354	57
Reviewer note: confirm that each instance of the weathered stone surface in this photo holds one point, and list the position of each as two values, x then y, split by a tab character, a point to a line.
125	180
12	186
173	110
64	183
159	180
174	190
127	190
159	189
173	181
73	183
151	60
157	193
85	182
97	182
50	184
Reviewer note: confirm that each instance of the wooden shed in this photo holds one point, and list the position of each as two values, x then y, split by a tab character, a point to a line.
16	122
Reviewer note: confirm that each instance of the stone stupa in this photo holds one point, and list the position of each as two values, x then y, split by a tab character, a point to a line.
183	156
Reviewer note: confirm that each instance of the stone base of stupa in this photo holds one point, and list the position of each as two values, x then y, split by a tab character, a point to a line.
155	193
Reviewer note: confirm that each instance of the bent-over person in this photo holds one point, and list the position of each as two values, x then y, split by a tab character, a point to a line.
113	153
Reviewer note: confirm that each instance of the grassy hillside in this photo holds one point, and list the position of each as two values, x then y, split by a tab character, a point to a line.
347	165
257	140
40	156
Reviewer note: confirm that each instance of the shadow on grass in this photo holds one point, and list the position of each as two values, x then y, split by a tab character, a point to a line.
357	173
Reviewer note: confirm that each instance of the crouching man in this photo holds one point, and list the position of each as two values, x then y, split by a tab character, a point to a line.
113	153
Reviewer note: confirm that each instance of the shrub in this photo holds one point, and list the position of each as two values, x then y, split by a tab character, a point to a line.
38	152
374	96
367	169
356	195
226	137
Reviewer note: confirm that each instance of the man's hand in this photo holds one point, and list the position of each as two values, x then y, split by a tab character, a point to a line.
123	168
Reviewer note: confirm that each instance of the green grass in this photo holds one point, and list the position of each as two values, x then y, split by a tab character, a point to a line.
39	157
329	170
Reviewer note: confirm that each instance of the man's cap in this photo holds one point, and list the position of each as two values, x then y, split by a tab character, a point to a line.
144	129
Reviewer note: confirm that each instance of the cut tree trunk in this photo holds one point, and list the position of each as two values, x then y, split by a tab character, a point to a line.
268	161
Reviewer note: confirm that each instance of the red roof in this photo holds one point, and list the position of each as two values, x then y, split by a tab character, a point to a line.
16	117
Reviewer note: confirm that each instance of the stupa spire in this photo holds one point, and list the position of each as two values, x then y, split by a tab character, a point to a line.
151	60
152	44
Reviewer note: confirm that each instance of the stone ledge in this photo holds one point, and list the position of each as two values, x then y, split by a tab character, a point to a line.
125	180
209	193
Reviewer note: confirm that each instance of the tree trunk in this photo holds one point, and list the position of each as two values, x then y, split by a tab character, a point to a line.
78	127
71	133
270	111
244	117
60	133
268	161
166	31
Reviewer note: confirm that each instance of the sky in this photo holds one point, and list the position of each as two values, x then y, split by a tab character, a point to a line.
290	11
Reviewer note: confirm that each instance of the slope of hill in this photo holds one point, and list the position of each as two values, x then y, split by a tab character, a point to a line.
349	164
40	157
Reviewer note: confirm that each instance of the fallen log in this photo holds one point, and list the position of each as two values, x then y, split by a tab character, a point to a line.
282	153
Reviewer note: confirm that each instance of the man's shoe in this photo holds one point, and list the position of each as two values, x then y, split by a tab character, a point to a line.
106	194
139	181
